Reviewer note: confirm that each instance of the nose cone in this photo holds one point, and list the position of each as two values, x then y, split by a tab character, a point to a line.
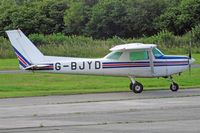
191	61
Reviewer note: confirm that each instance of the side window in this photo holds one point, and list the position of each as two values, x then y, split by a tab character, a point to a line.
138	55
114	55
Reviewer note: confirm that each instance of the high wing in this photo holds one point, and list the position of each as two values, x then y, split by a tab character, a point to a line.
132	46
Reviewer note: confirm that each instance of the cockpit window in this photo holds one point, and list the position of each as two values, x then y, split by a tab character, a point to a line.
114	55
157	52
139	55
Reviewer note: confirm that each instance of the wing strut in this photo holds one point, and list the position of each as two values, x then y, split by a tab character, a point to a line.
151	60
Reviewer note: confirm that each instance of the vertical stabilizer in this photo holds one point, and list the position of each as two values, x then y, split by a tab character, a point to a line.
25	50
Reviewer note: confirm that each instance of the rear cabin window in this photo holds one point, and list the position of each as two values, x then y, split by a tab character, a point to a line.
139	55
115	55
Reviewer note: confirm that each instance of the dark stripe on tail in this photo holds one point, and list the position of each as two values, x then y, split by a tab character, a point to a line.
22	60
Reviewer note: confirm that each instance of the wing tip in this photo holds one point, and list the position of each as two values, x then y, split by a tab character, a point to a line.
15	30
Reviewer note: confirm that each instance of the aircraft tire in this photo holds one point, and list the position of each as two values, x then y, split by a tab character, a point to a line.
137	87
174	87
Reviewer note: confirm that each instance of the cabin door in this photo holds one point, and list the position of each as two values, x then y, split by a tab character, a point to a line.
140	63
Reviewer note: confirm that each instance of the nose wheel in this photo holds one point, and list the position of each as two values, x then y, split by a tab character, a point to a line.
174	86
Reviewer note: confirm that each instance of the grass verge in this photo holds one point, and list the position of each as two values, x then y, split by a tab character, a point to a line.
42	84
9	64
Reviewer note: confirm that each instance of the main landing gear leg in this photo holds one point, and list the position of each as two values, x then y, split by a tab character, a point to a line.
135	86
174	86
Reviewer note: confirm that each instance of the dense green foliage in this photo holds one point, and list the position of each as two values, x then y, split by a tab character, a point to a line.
80	46
100	18
33	16
181	17
88	28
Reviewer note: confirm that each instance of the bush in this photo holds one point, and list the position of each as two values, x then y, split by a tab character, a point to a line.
80	46
6	50
57	38
196	35
38	39
166	38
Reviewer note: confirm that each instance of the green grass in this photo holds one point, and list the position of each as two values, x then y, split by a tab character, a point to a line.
197	58
41	84
9	64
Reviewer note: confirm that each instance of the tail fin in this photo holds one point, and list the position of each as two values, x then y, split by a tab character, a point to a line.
25	50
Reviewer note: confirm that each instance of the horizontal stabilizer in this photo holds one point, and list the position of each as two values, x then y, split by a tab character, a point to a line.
40	67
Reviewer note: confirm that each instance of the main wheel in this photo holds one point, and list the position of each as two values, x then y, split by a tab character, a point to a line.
174	87
137	87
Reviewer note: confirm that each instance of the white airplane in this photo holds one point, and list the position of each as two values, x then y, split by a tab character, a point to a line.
133	60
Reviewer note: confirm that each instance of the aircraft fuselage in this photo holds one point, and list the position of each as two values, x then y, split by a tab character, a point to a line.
102	66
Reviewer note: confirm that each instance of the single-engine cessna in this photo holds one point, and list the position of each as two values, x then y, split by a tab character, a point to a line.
135	60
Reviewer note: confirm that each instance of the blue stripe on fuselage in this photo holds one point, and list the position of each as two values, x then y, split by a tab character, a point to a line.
143	64
171	57
104	67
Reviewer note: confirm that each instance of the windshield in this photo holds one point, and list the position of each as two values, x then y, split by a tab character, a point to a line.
157	52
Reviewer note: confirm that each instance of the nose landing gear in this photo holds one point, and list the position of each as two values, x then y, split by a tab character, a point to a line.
174	86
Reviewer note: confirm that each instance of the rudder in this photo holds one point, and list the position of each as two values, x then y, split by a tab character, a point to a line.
25	50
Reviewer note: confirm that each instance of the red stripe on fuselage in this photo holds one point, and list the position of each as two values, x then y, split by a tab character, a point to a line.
125	64
48	66
145	64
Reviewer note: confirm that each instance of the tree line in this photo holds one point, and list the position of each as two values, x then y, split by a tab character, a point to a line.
100	18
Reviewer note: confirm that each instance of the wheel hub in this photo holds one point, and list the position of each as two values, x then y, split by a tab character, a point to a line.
173	87
137	87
